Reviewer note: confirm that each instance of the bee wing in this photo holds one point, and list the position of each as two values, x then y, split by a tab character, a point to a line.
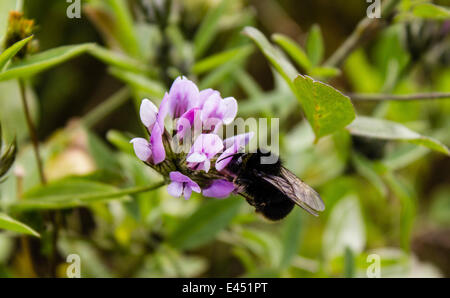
298	191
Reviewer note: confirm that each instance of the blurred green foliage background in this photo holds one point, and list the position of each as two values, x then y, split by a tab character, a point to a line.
384	197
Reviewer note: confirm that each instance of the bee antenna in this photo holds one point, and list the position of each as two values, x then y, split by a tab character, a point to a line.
231	155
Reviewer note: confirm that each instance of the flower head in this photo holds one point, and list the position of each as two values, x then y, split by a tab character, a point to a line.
182	185
197	117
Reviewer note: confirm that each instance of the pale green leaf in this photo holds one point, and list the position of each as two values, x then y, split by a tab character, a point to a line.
10	224
324	72
125	30
389	130
275	57
216	60
208	28
314	45
43	61
116	59
294	50
291	237
10	52
326	109
120	141
139	82
431	11
202	226
345	228
69	193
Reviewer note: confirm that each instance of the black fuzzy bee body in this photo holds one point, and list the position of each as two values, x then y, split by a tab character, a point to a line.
271	188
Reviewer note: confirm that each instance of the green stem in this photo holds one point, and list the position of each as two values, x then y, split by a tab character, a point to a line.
358	35
85	198
32	131
106	107
399	97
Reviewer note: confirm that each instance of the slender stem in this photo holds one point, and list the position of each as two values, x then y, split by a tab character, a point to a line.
358	35
32	132
86	198
399	97
106	107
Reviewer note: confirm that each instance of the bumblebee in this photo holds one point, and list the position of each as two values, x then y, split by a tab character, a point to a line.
271	188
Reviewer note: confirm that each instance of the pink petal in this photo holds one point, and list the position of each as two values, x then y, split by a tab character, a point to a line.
196	157
159	154
163	110
233	144
224	159
210	106
175	189
241	140
204	95
148	112
186	121
230	107
187	193
183	95
219	189
142	149
194	186
206	165
211	144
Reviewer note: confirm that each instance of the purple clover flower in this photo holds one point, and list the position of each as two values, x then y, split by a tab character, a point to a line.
206	146
219	189
182	185
198	116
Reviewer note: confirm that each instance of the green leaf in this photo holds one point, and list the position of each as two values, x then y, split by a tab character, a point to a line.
291	237
139	82
326	109
116	59
69	193
314	45
349	263
431	11
367	169
103	156
202	226
325	72
294	50
389	130
124	26
219	74
120	141
10	52
275	57
216	60
7	156
345	228
10	224
404	191
208	28
43	61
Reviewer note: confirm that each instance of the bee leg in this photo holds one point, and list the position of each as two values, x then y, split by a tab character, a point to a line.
249	199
